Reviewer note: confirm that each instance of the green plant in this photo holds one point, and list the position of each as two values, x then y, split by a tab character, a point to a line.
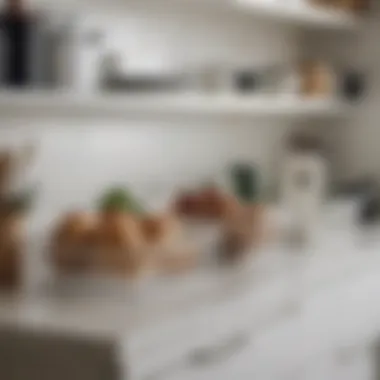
120	199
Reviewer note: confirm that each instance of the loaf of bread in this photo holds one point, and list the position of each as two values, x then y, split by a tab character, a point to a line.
209	203
118	243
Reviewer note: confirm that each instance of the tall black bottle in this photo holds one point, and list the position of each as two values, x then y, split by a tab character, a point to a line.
16	35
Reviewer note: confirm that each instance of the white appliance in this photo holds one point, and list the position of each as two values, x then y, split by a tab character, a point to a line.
304	183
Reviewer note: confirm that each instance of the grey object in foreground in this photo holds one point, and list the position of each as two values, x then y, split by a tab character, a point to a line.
27	354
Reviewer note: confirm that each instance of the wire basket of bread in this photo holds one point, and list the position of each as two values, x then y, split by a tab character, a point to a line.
123	240
120	239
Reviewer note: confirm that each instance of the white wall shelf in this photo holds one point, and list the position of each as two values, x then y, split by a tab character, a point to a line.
51	104
300	13
293	12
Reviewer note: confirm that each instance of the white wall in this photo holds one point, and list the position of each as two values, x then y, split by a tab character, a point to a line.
77	159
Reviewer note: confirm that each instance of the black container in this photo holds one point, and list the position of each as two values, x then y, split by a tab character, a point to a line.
247	81
16	37
353	85
369	210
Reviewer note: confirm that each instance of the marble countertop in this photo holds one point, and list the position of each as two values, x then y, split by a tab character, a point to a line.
339	254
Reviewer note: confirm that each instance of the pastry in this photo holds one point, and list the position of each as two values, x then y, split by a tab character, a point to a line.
159	229
72	242
119	229
209	203
120	245
74	226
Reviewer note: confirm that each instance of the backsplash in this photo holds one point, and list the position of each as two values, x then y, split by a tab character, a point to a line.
75	163
77	159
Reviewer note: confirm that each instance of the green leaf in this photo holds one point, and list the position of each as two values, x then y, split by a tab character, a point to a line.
120	199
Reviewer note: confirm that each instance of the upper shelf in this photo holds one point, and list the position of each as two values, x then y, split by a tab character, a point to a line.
299	12
293	12
54	104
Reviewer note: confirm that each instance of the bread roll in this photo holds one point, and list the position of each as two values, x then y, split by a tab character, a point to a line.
72	242
159	229
120	245
75	227
120	230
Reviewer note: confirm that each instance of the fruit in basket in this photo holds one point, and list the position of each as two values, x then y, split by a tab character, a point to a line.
71	244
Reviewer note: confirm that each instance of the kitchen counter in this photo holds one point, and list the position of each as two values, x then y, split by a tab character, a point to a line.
159	323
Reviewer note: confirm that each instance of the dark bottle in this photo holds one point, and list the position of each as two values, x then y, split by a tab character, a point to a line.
247	82
16	27
369	209
245	179
353	86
